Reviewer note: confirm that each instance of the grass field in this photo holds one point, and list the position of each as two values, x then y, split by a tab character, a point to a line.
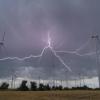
50	95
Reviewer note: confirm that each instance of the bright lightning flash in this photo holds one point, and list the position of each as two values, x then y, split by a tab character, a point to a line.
54	52
49	40
40	55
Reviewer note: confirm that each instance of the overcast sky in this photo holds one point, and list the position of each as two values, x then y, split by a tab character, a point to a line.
27	23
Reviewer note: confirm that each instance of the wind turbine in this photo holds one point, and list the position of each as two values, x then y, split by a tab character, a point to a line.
97	40
2	42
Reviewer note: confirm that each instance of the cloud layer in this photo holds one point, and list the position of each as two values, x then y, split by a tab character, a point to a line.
27	22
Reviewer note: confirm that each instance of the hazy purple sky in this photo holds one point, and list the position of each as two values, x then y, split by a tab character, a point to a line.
27	22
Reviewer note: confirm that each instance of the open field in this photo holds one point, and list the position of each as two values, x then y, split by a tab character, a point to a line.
50	95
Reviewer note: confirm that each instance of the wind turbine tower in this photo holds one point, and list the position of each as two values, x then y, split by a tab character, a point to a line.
96	38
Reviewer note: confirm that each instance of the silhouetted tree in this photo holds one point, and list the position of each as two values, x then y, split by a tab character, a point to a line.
85	87
81	88
23	86
53	88
41	87
57	88
66	88
33	86
4	86
47	87
60	87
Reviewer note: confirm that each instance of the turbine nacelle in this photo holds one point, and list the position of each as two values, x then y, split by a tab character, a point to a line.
95	36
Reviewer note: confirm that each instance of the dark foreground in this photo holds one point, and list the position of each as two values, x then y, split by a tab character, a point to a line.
50	95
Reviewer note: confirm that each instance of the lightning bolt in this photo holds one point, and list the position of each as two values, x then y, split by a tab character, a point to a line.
79	49
24	58
40	55
53	51
66	66
49	46
76	53
49	41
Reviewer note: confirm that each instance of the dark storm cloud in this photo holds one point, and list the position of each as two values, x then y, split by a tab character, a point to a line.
26	23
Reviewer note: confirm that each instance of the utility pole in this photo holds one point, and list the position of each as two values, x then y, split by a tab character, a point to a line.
12	81
67	83
80	80
75	82
96	38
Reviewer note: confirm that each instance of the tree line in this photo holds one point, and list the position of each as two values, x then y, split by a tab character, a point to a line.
41	87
